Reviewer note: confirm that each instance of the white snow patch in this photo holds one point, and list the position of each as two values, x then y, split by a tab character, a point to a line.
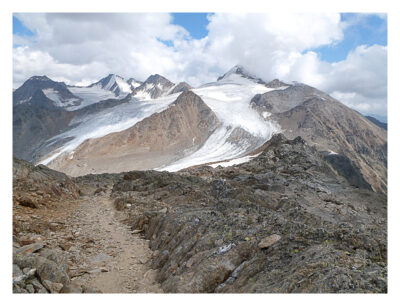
266	115
123	86
333	153
90	95
55	96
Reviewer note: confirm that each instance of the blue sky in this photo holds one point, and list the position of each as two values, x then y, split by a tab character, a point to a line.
20	29
368	31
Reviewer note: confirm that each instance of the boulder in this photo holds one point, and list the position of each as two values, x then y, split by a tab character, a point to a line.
268	241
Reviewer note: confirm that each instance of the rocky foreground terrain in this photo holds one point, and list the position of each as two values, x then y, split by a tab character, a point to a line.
286	221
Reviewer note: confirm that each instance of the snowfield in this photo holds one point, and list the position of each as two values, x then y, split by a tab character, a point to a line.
54	95
90	95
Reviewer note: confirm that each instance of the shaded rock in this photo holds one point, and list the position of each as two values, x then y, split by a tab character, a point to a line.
49	270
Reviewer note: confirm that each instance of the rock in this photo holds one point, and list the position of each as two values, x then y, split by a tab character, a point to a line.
88	289
58	256
49	270
163	211
52	287
27	202
268	241
30	248
137	231
39	288
71	288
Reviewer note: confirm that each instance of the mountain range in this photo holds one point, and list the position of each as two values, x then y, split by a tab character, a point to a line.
117	125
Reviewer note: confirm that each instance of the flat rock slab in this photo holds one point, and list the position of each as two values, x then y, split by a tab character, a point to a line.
268	241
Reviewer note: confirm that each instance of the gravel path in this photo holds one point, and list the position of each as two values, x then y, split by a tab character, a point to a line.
105	253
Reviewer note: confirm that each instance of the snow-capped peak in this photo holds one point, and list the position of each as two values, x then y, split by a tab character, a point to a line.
154	87
115	84
237	74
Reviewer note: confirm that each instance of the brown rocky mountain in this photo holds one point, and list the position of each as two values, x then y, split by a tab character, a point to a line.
155	141
323	121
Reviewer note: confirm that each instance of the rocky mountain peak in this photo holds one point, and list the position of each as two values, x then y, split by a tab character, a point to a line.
39	78
157	79
56	91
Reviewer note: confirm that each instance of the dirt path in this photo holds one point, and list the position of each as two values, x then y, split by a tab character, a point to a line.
105	253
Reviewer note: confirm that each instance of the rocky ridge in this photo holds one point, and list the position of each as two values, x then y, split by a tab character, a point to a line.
283	222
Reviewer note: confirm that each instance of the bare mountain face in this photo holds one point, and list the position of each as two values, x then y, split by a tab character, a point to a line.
34	122
323	121
153	142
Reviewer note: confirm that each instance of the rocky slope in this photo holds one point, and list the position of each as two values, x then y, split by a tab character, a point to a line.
157	140
326	123
283	222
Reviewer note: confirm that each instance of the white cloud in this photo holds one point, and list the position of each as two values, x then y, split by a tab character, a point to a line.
81	48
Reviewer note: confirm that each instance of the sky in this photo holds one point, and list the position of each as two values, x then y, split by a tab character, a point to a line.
344	55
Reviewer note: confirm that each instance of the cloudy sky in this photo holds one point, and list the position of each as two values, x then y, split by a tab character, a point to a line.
342	54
